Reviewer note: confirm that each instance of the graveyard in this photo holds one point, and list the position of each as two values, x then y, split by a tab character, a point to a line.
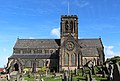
109	71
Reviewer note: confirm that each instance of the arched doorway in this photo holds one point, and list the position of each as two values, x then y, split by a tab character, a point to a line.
16	67
34	67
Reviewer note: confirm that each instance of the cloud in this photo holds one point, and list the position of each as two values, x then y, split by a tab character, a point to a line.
31	38
4	50
110	53
82	3
3	61
55	32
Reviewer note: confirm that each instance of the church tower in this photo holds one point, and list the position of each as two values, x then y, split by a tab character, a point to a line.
69	26
69	43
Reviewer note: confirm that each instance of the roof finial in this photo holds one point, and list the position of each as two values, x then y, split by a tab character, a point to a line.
68	7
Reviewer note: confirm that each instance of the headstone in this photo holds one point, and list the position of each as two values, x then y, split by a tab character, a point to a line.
116	73
108	77
46	72
78	79
90	76
18	77
82	72
103	74
42	79
87	77
54	73
63	77
75	71
71	77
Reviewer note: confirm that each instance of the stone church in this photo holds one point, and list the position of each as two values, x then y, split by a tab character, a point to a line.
66	53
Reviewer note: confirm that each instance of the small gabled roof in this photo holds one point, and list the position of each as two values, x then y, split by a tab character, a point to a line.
84	43
37	43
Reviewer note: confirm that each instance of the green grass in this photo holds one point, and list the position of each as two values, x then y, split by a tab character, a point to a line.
52	79
57	78
99	78
75	78
29	79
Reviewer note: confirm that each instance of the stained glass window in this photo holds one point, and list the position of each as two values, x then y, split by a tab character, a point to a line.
73	59
66	58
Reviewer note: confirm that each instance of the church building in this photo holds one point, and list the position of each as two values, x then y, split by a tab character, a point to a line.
66	53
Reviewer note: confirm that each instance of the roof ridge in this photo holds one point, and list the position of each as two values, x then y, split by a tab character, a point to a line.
89	39
38	39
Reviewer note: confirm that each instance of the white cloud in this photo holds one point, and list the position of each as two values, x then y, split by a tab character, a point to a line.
3	61
4	50
31	38
110	53
82	3
55	32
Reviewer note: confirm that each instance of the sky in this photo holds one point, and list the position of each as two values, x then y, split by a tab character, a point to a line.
33	19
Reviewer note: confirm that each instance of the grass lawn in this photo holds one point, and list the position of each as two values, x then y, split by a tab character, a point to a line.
57	78
99	78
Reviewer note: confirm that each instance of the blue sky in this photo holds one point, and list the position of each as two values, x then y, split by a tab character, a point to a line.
41	19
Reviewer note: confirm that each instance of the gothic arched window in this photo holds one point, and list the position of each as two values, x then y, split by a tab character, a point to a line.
66	26
66	58
28	63
73	59
71	26
41	63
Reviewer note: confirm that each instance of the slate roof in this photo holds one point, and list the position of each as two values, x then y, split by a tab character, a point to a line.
84	43
88	52
37	43
34	56
54	43
88	46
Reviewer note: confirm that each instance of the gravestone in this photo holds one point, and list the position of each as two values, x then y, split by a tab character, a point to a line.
82	72
103	74
18	77
93	70
116	73
88	75
71	76
63	77
75	71
42	79
46	72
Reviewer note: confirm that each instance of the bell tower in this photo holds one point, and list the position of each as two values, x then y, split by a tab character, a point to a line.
69	42
69	26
